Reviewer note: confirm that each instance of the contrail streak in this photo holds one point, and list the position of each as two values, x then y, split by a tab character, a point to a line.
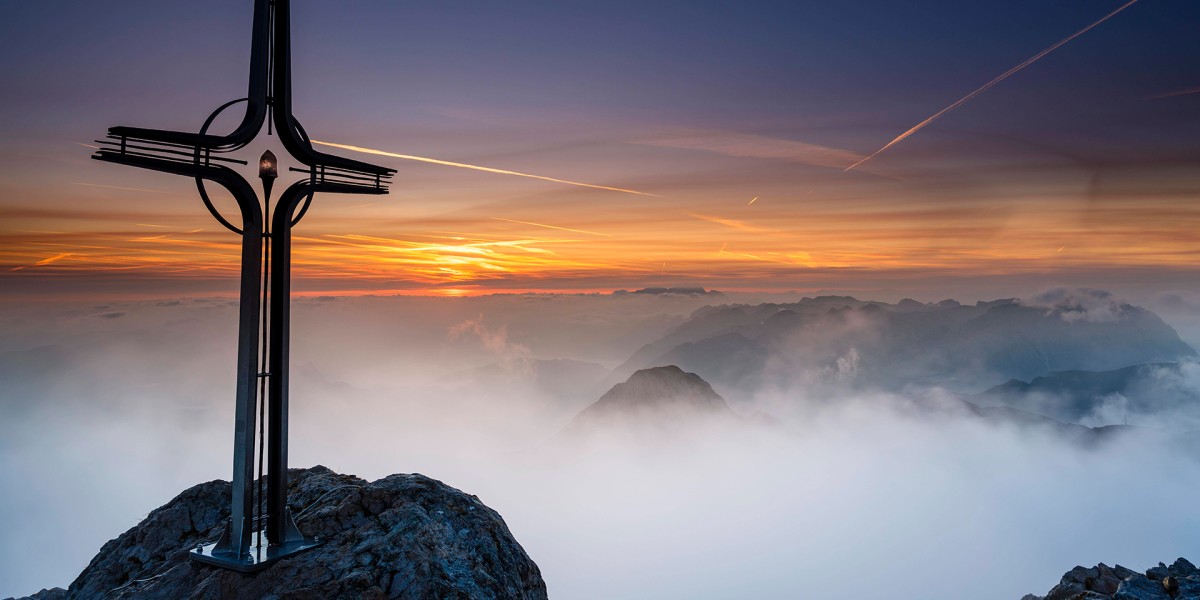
1187	92
478	168
987	86
554	227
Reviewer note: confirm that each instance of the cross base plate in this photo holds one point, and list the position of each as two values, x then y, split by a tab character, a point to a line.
258	558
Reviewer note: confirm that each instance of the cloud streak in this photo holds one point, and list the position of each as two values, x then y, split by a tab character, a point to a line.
459	165
989	85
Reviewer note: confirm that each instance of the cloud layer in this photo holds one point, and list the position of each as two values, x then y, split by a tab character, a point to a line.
847	495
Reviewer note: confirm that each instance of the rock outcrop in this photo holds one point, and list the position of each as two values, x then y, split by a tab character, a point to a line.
403	536
1180	581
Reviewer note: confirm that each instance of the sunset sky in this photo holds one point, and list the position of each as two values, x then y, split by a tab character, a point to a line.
713	138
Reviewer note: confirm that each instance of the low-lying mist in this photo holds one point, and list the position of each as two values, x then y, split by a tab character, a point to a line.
113	409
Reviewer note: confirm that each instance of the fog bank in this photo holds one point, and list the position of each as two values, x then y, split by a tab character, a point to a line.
113	409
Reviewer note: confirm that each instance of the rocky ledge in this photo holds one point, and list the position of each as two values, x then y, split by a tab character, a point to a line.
1180	581
403	536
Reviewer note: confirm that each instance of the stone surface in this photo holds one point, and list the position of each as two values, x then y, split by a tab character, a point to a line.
1182	568
1157	573
1077	583
1189	589
403	536
1141	588
1180	581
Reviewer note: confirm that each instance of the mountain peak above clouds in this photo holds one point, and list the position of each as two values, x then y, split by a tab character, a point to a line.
658	395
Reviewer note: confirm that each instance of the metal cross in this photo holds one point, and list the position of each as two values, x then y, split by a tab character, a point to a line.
265	272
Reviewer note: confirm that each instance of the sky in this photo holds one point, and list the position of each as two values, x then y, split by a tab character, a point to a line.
725	129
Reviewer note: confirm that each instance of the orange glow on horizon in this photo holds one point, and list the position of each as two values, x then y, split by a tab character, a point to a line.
820	231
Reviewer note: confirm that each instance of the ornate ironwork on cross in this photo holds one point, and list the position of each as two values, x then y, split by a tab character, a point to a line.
265	273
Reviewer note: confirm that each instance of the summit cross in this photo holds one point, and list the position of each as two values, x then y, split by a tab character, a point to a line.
264	311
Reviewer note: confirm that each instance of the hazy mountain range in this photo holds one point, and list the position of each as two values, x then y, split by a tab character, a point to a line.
666	400
838	340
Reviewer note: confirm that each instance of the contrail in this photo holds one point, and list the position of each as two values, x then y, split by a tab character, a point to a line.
752	201
554	227
1187	92
478	168
987	86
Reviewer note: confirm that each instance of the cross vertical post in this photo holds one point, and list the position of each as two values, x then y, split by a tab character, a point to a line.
265	287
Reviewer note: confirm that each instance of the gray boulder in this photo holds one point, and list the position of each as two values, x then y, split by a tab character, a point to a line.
403	536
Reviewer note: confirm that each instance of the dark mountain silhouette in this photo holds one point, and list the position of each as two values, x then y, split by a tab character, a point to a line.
659	396
678	291
839	340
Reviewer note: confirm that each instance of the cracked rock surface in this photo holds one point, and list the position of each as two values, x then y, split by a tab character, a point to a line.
403	536
1180	581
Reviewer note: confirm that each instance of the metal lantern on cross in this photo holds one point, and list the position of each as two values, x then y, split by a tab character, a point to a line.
262	356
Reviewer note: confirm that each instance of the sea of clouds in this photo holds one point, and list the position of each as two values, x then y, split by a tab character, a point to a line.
109	410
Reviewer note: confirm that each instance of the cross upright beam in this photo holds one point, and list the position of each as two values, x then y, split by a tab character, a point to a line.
264	308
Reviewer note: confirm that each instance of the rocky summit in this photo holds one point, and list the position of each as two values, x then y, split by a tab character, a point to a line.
403	536
1180	581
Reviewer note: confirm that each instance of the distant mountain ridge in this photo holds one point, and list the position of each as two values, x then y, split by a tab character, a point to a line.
841	340
668	400
679	291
